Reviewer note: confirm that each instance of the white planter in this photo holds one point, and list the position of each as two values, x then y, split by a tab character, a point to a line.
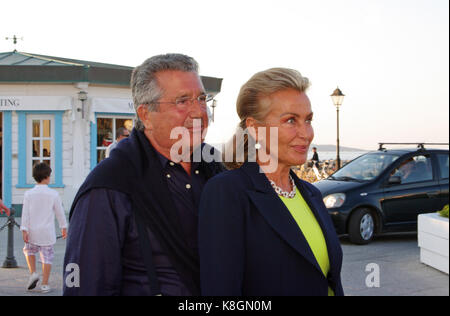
433	241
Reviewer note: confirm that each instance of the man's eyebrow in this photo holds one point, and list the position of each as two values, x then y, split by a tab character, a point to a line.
183	94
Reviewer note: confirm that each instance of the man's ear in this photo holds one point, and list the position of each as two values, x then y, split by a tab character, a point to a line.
144	115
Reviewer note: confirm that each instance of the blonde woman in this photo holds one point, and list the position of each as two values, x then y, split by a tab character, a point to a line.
262	230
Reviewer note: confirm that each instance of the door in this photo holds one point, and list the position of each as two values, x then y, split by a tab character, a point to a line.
417	193
443	165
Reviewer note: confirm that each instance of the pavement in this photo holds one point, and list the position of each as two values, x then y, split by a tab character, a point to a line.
389	266
397	257
13	281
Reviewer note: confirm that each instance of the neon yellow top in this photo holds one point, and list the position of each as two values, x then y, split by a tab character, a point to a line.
311	229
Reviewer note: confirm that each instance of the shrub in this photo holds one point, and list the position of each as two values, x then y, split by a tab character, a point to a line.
444	211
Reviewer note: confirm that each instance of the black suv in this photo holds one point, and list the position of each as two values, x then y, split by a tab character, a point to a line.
385	191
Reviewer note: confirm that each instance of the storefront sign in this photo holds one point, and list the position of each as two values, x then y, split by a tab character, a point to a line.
35	103
110	105
9	103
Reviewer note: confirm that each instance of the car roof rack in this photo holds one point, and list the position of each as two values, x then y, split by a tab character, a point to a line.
420	146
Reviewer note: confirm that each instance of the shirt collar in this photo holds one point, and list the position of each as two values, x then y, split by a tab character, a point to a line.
164	161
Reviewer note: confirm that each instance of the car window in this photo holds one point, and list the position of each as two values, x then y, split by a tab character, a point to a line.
443	165
415	169
366	167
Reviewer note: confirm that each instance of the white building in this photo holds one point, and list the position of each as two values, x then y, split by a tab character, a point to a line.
43	118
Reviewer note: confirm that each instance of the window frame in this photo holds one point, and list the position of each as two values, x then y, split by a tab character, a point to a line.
438	164
401	161
31	138
94	131
23	137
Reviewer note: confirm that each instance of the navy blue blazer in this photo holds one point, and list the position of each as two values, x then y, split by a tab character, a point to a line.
250	244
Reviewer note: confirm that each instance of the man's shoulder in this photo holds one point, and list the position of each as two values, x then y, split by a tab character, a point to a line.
101	201
111	195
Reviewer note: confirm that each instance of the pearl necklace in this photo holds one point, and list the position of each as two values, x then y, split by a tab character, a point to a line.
279	191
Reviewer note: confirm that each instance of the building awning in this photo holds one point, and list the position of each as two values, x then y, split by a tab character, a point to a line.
32	68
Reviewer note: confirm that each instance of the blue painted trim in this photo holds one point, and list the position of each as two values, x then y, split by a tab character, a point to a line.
41	112
59	149
94	143
58	169
30	186
22	145
7	158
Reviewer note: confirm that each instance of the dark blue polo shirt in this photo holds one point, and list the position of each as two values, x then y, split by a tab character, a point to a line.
105	244
186	191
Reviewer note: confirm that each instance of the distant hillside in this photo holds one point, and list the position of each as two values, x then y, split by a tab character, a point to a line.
333	148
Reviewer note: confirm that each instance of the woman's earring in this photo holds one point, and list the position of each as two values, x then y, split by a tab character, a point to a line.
258	146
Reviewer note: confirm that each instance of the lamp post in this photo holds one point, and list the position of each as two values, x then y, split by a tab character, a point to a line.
338	98
82	96
213	106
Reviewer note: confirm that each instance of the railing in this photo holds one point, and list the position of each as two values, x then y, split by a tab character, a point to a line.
10	261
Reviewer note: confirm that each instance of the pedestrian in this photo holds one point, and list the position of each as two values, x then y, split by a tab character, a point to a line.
4	209
133	223
315	162
262	230
40	206
315	158
121	134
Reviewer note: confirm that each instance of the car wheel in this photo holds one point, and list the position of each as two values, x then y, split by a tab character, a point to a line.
361	228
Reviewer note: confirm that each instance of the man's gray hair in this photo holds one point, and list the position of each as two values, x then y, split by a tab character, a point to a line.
144	85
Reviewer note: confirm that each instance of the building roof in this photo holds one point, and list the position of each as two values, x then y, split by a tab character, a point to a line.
24	67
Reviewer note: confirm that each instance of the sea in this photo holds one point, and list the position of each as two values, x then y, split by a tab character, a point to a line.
323	155
331	155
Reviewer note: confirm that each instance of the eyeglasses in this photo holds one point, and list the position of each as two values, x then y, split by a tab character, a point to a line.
185	102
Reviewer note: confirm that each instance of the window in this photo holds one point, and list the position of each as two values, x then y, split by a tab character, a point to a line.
40	143
443	165
415	169
106	132
366	167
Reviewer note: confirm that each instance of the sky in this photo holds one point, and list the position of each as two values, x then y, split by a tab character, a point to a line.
389	57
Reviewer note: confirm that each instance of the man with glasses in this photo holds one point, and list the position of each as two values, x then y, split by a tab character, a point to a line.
121	134
133	228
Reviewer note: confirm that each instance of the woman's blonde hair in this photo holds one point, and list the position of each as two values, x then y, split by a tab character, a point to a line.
249	104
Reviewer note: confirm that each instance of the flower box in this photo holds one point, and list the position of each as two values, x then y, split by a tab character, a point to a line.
433	241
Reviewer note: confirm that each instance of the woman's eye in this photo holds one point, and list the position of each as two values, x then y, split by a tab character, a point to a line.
291	121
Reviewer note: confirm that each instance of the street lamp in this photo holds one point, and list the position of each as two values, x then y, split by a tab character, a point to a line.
338	98
213	106
82	96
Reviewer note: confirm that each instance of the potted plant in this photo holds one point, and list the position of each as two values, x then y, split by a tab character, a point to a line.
433	236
